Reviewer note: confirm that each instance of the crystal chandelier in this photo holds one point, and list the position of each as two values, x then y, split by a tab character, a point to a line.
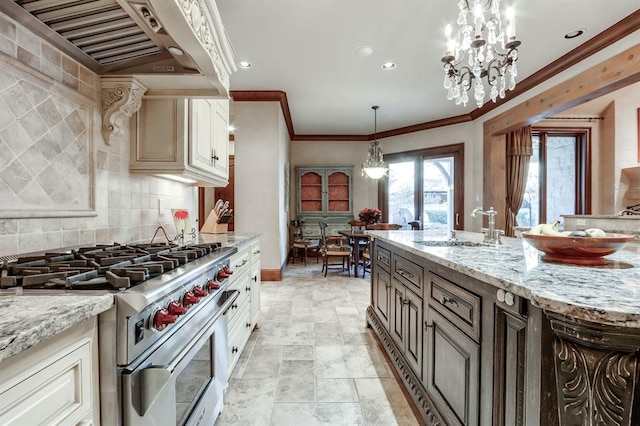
375	167
490	51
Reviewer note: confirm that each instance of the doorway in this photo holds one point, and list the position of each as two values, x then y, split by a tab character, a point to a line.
425	186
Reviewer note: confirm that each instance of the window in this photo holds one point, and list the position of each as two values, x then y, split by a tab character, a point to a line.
425	186
559	179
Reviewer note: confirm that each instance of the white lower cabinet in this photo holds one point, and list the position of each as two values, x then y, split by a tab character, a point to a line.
243	314
54	382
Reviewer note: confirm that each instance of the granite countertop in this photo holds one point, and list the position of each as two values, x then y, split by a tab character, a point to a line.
30	317
609	295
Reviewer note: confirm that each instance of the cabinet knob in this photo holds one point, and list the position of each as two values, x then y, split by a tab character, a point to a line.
444	299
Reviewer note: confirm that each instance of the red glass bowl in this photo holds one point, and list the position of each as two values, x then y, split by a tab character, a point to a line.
577	250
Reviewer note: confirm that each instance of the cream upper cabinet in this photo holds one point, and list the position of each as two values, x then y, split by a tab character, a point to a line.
182	139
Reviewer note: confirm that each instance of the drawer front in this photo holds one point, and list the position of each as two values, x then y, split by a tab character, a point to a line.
458	305
239	262
383	258
241	285
408	273
254	249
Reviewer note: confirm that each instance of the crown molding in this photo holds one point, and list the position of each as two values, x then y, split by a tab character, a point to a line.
602	40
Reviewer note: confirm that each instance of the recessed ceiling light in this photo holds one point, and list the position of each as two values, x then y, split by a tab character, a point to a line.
175	50
362	51
388	66
244	64
574	34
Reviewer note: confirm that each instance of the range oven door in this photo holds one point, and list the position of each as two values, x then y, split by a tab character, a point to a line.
184	378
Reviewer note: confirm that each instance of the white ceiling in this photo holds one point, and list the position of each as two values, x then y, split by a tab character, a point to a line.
304	48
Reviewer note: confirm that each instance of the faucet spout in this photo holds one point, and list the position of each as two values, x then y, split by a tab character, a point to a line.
492	235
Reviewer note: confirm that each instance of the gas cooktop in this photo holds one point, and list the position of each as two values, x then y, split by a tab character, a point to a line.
110	267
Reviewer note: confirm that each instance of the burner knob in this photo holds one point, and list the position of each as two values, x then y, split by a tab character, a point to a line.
175	308
199	292
227	270
223	275
162	318
212	285
189	299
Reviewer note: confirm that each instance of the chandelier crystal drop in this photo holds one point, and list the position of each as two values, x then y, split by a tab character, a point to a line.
375	166
482	54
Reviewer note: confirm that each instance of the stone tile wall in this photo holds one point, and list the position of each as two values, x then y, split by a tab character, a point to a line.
118	206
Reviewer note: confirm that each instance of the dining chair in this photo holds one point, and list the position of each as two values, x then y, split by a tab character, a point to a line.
335	247
299	247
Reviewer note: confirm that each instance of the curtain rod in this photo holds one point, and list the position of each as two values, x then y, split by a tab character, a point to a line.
589	119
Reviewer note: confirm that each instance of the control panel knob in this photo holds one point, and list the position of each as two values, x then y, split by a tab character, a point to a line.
189	299
223	275
162	318
212	285
175	308
199	292
227	270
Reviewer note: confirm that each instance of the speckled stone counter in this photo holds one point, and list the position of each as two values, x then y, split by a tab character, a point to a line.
607	295
229	239
27	320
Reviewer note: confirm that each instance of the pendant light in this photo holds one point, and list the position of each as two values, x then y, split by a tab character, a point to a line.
375	167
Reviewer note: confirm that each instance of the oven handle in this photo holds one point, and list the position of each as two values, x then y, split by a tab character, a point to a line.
154	378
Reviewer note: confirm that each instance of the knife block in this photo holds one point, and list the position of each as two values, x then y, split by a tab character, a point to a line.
211	225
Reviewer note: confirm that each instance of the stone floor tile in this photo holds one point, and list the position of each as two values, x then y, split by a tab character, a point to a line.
341	361
264	363
383	402
314	414
336	390
301	352
248	402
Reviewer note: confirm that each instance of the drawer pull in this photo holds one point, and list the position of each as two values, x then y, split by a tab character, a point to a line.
427	325
255	278
256	252
406	302
405	274
248	324
234	349
234	306
381	258
247	289
444	299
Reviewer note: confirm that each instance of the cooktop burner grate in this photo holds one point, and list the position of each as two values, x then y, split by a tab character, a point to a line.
108	267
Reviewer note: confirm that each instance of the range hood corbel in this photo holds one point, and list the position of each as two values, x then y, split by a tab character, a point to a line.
121	96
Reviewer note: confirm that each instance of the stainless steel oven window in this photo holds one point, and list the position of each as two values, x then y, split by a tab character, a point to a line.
193	380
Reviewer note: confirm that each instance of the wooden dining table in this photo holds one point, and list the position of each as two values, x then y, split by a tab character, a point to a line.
354	238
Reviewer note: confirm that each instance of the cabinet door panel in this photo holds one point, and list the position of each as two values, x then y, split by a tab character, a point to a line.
382	293
509	370
414	336
201	134
453	374
397	311
221	138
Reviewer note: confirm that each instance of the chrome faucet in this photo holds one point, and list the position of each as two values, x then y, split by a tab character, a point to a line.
491	234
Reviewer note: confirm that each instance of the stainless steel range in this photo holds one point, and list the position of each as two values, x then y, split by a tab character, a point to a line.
163	348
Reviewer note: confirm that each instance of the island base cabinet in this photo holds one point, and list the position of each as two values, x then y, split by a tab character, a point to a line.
597	372
406	325
382	295
453	371
54	382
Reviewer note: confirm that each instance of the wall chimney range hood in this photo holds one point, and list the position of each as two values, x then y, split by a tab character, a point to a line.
171	46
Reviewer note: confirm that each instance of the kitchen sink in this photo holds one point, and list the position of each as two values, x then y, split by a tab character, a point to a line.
449	243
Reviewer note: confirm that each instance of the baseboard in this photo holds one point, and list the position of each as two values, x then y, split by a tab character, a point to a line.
270	274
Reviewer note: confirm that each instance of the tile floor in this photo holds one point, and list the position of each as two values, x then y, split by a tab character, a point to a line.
313	361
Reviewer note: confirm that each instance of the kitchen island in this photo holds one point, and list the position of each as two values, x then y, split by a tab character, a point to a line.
493	335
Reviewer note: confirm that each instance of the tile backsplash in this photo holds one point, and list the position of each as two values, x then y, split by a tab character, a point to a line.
60	184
